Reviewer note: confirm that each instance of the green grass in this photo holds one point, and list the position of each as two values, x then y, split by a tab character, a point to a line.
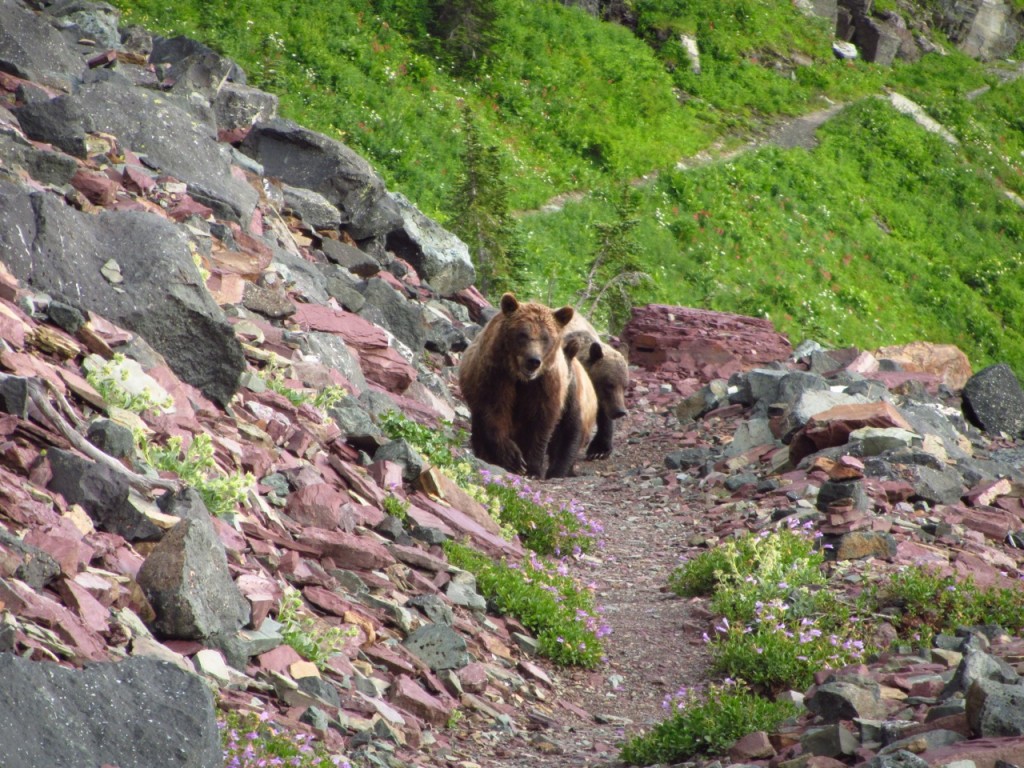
882	234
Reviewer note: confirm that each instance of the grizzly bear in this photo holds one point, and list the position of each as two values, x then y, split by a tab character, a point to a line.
578	416
609	374
516	381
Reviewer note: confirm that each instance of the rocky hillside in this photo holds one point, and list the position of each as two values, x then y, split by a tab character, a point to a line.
178	261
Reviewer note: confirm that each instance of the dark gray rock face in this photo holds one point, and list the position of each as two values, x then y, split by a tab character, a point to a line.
438	646
437	255
138	713
994	400
102	493
35	51
152	125
186	580
60	251
984	29
389	309
304	158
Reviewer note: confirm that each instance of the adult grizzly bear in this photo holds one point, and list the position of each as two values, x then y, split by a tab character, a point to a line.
609	374
516	381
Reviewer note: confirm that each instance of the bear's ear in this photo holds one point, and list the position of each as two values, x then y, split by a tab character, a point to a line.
596	352
564	315
509	303
571	346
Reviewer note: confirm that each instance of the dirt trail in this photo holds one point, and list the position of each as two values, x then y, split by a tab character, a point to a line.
656	642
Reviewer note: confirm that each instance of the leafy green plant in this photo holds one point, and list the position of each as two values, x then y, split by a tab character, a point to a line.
323	399
396	507
251	740
310	637
196	467
921	603
122	384
544	598
787	642
739	573
542	526
705	722
438	445
778	625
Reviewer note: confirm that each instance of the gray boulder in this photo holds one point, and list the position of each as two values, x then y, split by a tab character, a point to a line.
152	125
186	580
995	709
438	646
102	493
138	713
994	401
391	310
161	294
983	29
303	158
35	51
95	21
439	257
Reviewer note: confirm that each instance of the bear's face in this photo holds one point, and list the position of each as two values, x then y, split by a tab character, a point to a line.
610	376
532	335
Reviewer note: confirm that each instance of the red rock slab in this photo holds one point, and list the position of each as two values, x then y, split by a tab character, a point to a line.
833	427
359	481
994	523
407	694
105	590
984	753
987	492
28	605
454	519
278	660
701	343
98	188
418	558
93	613
347	550
446	491
64	544
319	505
12	330
395	661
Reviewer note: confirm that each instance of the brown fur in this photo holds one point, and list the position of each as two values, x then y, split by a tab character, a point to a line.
515	379
579	415
609	374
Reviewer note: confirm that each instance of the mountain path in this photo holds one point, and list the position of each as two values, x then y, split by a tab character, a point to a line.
656	644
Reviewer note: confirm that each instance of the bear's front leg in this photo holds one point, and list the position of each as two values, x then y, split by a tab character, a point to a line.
601	445
493	444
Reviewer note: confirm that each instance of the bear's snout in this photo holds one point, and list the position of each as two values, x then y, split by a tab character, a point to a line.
532	364
618	413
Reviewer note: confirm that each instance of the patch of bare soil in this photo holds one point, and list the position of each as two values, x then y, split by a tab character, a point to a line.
656	641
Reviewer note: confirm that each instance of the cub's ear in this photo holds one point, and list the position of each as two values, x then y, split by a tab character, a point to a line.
571	346
596	352
564	315
509	303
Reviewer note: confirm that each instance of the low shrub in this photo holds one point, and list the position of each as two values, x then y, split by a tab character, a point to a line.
252	741
705	721
542	526
545	598
921	603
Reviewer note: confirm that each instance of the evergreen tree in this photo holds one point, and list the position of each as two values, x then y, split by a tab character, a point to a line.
614	271
480	213
465	31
